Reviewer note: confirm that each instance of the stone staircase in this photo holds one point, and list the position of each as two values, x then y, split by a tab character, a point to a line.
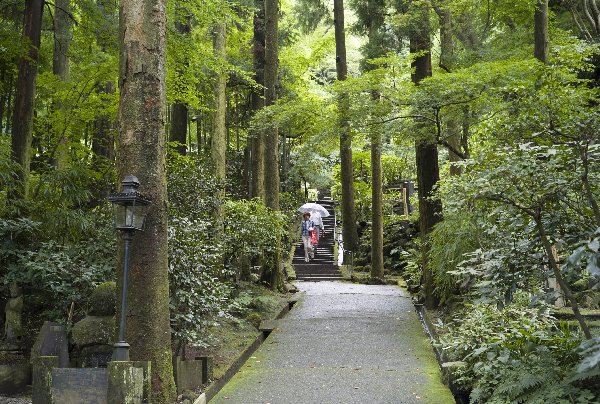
324	266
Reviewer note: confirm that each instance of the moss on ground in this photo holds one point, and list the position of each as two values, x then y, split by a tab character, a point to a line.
435	391
228	338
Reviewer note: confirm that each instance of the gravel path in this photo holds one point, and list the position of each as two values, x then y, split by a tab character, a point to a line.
14	400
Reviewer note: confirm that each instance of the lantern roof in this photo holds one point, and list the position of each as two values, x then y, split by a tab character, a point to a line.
129	195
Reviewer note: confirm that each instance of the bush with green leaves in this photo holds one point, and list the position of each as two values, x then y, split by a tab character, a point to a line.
252	230
516	354
55	273
197	278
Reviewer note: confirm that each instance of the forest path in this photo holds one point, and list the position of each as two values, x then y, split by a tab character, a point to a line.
342	343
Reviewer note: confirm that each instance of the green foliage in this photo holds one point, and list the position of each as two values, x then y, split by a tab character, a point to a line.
59	274
516	354
196	277
451	239
252	230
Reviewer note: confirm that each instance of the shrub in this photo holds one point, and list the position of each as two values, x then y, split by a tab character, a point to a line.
512	355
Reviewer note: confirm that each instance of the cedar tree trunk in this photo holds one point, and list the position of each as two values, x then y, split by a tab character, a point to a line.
426	158
258	141
219	137
179	110
141	153
22	125
349	231
60	67
271	169
541	31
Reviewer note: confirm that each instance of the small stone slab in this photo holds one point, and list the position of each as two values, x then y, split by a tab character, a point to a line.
70	385
52	341
188	374
268	325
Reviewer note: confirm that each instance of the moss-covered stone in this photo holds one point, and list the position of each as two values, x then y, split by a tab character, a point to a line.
254	318
93	330
125	383
103	301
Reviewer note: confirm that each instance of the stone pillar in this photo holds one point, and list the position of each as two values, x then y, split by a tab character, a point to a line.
125	383
42	379
147	369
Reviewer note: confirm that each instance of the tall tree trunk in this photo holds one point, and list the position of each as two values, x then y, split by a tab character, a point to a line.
219	138
3	98
103	133
272	134
60	67
22	125
376	201
103	141
179	110
426	157
258	140
9	105
376	48
271	171
142	152
349	231
447	60
178	127
541	31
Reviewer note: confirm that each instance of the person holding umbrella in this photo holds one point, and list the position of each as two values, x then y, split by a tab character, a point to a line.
307	227
318	222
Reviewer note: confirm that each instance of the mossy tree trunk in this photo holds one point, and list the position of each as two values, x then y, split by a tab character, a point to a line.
60	67
22	125
376	202
428	172
219	137
541	31
103	135
179	110
257	188
453	133
271	169
141	152
376	48
349	231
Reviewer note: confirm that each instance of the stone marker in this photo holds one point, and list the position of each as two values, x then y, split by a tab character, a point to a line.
93	336
13	325
52	341
41	392
125	383
188	374
74	385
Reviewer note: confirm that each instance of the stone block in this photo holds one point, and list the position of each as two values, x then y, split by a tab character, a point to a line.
14	377
147	369
125	383
188	374
79	386
42	366
52	341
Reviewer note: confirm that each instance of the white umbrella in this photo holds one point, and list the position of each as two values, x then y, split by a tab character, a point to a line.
314	207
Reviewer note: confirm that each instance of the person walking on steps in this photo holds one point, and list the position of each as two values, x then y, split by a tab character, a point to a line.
307	227
318	222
